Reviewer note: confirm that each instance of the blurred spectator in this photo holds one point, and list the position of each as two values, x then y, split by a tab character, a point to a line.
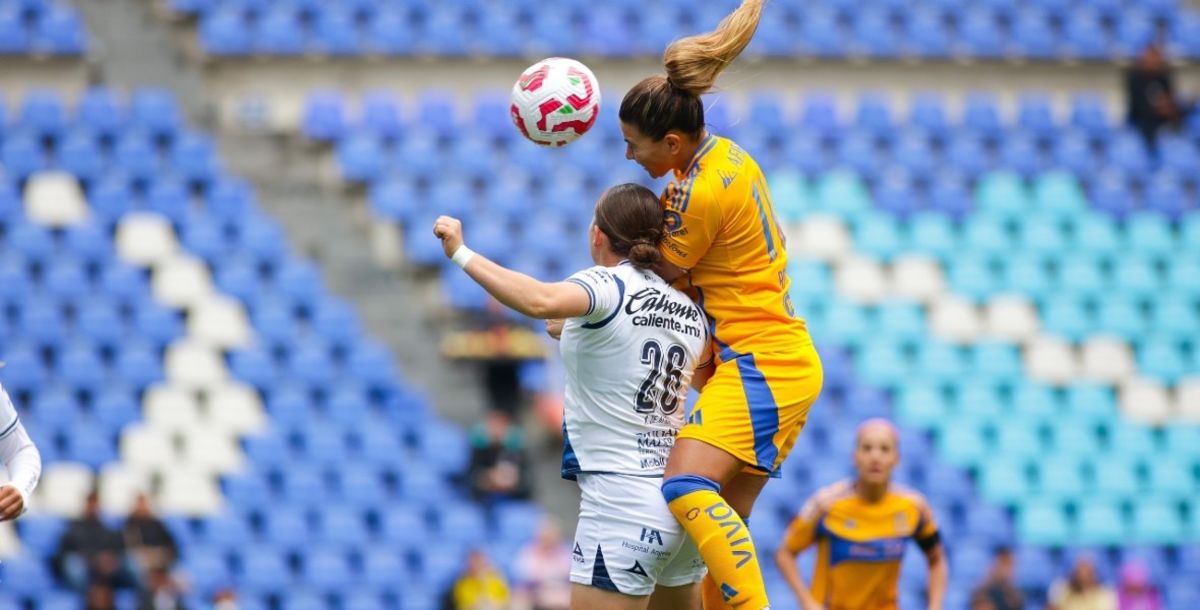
1137	592
498	468
480	587
544	571
225	599
90	551
148	539
99	596
161	592
1082	590
999	591
1150	89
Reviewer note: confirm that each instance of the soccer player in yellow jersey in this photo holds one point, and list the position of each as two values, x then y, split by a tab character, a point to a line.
726	246
860	529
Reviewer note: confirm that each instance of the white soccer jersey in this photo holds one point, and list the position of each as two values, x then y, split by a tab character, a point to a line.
17	452
629	364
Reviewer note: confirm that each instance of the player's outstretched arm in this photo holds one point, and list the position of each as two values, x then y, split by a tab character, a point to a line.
536	299
24	463
939	575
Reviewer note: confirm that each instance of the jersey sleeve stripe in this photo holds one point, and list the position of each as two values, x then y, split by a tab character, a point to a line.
591	295
616	308
11	427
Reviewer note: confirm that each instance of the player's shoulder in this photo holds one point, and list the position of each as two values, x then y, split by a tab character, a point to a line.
909	497
825	498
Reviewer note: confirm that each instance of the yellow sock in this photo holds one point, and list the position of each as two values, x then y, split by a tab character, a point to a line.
722	538
711	596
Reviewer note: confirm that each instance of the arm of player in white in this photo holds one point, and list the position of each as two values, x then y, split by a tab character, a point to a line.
533	298
22	459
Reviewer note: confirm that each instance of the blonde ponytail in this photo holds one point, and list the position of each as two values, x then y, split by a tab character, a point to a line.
693	63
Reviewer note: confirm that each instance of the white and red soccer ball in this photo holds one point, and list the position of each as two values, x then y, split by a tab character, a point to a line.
555	101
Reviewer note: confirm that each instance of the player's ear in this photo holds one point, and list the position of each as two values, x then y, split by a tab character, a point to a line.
674	142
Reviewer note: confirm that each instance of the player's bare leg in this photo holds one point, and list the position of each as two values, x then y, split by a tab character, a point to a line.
593	598
686	597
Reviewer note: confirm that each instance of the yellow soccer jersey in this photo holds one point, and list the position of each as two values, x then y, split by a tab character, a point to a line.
722	227
860	545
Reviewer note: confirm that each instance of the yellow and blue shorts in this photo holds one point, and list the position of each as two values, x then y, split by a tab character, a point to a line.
755	405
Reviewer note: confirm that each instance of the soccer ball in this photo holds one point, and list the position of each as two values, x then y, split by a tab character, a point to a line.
555	101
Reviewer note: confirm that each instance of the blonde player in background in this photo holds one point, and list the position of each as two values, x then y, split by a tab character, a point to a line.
630	345
725	241
861	528
21	458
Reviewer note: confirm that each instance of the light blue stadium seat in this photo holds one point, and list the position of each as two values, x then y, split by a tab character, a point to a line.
1004	193
1162	359
1082	276
1149	234
1136	276
962	444
1116	481
973	276
1062	478
1058	192
900	320
1133	440
986	234
1027	274
847	322
933	234
1091	401
1171	478
1121	316
1034	400
1075	438
1100	523
879	236
1004	482
1043	523
922	405
792	196
1184	276
1043	233
1182	440
941	361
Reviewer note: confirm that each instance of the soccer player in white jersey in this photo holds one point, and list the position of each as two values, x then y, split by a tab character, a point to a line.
630	344
20	457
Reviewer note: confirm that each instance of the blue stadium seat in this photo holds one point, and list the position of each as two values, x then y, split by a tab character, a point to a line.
43	111
404	525
22	154
1111	194
381	115
27	576
60	31
263	570
335	32
14	35
225	31
980	33
389	32
326	571
279	32
156	111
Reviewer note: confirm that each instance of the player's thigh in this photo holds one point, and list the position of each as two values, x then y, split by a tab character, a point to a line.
743	490
686	597
591	598
754	407
626	536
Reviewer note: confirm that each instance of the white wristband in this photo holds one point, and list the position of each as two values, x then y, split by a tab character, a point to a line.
462	256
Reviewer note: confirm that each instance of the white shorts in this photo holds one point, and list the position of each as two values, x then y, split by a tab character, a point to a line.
627	540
